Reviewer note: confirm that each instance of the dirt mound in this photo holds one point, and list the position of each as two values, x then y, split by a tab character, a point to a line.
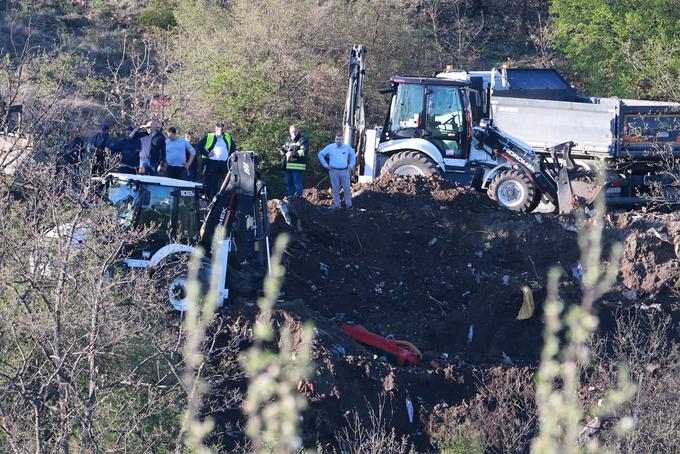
650	269
422	260
442	267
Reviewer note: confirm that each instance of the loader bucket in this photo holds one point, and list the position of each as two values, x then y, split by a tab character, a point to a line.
574	191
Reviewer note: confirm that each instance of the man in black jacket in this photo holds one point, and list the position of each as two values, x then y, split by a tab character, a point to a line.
129	152
294	153
98	148
152	156
216	147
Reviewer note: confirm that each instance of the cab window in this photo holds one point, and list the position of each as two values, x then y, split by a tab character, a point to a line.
406	109
157	211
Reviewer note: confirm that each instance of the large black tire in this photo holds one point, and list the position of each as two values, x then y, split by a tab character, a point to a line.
513	190
171	279
410	163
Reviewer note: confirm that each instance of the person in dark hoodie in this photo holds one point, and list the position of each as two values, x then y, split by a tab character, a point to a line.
129	152
98	148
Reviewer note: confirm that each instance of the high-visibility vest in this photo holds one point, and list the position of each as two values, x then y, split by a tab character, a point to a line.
299	146
210	141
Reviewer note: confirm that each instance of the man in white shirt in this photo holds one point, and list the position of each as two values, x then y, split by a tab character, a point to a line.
339	158
216	147
176	149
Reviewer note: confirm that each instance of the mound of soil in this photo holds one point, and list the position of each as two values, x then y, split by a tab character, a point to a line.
443	267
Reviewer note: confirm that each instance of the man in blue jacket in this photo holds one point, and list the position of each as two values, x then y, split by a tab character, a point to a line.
339	158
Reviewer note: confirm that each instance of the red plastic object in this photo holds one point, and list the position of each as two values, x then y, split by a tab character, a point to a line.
404	356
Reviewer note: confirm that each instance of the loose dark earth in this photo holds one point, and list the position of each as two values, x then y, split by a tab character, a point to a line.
442	267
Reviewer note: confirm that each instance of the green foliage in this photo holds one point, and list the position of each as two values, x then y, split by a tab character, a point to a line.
249	100
155	17
623	48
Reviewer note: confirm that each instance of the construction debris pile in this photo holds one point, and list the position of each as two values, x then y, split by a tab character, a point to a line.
447	270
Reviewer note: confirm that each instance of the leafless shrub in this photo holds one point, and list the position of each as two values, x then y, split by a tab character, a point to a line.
358	437
642	342
502	418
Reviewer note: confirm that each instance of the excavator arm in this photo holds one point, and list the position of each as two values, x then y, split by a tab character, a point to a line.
240	207
354	121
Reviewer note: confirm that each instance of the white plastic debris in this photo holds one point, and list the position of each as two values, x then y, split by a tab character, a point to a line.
577	271
506	280
432	241
569	227
661	236
471	334
630	294
409	409
506	359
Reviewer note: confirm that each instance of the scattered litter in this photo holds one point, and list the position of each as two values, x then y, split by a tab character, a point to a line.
662	237
466	293
340	316
506	280
577	271
340	349
471	334
479	253
655	306
325	270
487	246
445	356
527	309
506	359
539	218
409	409
283	208
630	294
569	227
432	241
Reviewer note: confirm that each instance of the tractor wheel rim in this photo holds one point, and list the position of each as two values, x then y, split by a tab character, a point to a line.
511	193
409	170
177	293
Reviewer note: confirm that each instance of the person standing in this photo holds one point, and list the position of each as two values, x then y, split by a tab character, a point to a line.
71	153
98	148
216	147
152	154
339	158
194	169
176	149
294	153
129	150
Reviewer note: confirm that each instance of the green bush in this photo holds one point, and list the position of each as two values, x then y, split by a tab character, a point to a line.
623	48
152	17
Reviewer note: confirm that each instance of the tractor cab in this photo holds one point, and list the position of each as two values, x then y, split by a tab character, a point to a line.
432	110
169	207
